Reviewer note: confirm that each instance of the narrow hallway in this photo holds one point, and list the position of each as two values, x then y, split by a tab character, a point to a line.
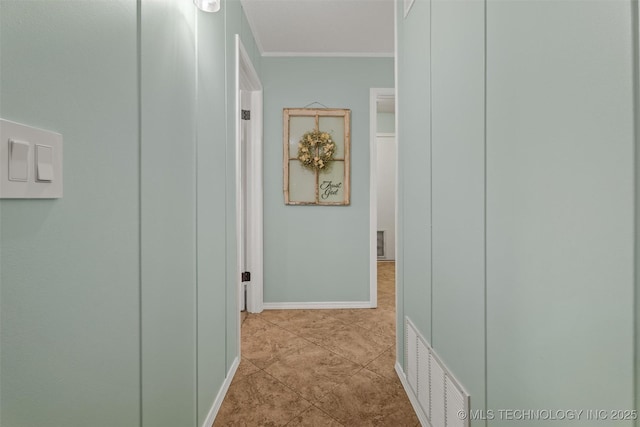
320	368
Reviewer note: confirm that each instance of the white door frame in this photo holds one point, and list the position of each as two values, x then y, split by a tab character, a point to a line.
247	81
375	94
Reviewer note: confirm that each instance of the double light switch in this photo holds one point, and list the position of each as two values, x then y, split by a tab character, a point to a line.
33	158
19	162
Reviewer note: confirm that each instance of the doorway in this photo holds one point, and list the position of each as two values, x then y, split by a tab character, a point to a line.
249	191
383	182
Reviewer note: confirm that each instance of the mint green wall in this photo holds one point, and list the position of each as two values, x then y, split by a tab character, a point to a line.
413	251
168	264
318	253
560	211
212	364
113	299
70	267
248	41
457	201
523	147
386	122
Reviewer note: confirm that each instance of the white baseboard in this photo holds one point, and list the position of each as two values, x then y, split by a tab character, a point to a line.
208	422
412	397
316	305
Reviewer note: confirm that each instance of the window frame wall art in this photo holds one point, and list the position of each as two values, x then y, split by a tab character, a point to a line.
317	156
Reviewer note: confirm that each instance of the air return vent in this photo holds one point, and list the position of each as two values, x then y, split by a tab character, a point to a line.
455	399
381	244
440	397
424	379
412	362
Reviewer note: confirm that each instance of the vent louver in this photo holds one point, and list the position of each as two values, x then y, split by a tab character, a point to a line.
441	398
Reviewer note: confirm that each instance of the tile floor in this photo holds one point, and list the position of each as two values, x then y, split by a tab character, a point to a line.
320	368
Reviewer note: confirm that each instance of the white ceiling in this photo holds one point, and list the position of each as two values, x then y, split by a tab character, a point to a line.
322	27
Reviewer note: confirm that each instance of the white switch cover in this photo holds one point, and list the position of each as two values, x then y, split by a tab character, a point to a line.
39	175
18	160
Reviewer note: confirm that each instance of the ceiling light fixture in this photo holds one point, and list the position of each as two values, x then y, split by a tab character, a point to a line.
208	5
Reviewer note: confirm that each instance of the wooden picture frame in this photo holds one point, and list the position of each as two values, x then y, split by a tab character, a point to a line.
304	185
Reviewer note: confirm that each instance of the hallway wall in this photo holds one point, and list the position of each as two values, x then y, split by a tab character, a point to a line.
318	253
113	298
516	145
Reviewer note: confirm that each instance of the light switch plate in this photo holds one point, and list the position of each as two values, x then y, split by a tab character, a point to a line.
38	170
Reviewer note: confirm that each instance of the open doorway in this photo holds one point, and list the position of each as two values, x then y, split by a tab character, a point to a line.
383	178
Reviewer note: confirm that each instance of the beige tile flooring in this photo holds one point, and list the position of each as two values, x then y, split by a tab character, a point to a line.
320	368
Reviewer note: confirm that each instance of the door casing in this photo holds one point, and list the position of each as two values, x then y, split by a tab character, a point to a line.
249	87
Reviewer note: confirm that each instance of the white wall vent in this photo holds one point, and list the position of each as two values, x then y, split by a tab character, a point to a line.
424	378
412	357
456	401
439	397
